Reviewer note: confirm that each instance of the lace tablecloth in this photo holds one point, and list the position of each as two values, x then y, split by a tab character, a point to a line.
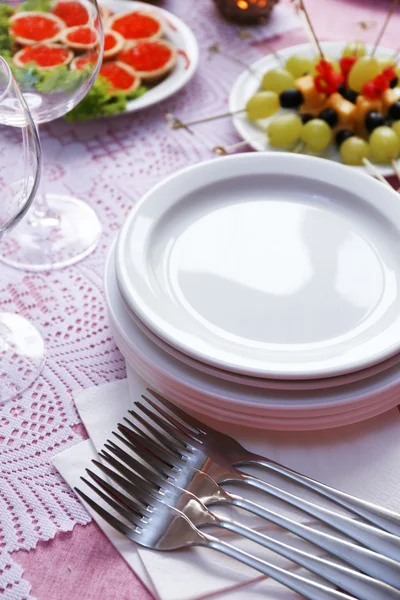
109	163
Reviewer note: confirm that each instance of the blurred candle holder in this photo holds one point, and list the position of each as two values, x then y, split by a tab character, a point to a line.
246	11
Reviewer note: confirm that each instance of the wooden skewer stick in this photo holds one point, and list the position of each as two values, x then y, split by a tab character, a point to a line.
310	28
374	172
175	123
396	169
384	26
223	150
275	54
216	49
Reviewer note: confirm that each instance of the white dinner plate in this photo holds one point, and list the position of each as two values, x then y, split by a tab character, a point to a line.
179	34
260	382
269	265
219	397
249	82
292	420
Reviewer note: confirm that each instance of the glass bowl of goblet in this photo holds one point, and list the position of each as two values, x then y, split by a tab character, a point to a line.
54	48
21	345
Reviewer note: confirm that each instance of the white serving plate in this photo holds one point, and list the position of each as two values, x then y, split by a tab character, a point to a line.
237	403
268	265
249	81
177	32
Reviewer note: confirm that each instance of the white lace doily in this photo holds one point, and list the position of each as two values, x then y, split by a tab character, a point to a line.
108	163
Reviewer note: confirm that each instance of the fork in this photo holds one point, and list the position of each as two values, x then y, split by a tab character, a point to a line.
363	587
179	442
230	453
159	527
204	488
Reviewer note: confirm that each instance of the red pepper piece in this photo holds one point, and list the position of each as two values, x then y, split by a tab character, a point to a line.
327	80
346	64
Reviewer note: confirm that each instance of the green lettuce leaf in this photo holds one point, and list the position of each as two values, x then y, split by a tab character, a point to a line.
60	79
39	5
6	40
100	102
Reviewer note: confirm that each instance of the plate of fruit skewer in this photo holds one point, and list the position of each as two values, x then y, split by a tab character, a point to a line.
149	54
345	106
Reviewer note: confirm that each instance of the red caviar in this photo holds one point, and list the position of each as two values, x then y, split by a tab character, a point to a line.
71	12
146	56
136	26
44	56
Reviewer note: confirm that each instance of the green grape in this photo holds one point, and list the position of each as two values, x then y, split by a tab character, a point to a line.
385	144
396	128
277	80
365	69
329	59
299	65
285	130
356	48
353	150
262	105
317	135
384	61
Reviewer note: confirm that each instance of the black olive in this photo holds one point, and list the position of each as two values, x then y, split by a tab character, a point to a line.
291	98
394	111
373	120
342	135
306	117
330	116
394	82
351	96
347	93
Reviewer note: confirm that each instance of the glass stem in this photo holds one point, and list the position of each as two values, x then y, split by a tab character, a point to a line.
41	214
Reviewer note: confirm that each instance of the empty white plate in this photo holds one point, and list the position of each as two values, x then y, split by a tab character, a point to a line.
216	396
231	404
260	382
269	265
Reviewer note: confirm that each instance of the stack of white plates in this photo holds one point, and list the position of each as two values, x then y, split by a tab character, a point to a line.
263	290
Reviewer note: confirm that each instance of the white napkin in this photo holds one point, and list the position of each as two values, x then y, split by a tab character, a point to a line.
362	459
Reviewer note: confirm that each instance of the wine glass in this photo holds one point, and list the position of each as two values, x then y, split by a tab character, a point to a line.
21	345
55	51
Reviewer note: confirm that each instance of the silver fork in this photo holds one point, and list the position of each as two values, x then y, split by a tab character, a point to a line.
204	488
180	442
227	451
160	527
361	586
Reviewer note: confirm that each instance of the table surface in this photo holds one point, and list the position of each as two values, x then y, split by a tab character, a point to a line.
49	550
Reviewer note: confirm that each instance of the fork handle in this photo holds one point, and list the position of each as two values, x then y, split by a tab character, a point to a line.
361	586
369	562
381	541
379	516
307	588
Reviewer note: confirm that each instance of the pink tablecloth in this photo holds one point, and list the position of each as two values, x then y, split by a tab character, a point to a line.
110	164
